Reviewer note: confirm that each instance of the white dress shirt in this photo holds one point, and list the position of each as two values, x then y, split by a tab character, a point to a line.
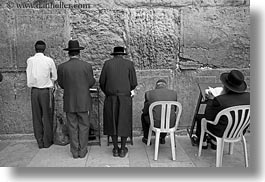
41	71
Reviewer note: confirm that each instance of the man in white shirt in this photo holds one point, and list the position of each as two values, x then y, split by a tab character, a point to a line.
41	74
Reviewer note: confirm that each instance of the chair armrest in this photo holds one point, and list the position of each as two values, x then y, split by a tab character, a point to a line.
208	121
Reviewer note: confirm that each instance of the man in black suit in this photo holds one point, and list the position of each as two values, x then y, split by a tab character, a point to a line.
233	94
160	93
117	80
76	77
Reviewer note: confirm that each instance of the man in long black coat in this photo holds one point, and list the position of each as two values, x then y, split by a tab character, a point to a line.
76	77
117	80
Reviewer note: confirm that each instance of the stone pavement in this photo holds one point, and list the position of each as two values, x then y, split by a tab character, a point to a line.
25	153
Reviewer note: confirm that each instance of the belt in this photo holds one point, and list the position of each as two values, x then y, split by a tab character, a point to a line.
40	88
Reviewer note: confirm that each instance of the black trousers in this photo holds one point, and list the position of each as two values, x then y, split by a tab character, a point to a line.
78	126
146	125
42	115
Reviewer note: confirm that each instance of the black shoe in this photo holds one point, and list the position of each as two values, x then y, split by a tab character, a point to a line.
162	140
123	152
115	152
92	137
213	146
75	156
82	155
144	140
204	145
195	141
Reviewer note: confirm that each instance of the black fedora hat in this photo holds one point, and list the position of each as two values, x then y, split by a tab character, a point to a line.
73	45
119	51
234	81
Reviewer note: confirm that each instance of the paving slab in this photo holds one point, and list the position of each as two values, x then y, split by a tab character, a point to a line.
18	154
101	156
3	144
57	156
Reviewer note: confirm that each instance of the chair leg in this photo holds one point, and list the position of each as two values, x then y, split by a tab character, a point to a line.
231	148
156	145
149	137
172	137
245	150
201	137
219	152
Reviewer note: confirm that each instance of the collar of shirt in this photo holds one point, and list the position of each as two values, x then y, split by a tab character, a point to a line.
39	54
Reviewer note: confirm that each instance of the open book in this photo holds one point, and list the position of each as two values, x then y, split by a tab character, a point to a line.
215	91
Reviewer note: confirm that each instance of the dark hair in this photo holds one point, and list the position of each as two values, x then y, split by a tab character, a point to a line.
40	46
74	53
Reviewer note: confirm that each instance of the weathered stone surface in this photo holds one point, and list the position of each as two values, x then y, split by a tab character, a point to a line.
99	31
30	28
153	37
217	36
6	37
15	108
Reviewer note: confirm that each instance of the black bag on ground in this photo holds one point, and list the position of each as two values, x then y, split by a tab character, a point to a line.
61	136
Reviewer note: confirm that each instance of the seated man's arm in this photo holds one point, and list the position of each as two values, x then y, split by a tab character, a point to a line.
213	107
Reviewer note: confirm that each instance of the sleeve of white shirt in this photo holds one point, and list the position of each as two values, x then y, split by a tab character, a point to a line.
53	71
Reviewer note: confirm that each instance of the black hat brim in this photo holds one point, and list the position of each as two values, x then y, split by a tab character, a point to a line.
118	53
74	49
239	89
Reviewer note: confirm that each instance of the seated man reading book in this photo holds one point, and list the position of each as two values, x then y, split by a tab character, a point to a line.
232	93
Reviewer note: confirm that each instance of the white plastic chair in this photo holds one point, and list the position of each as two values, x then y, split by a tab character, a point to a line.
233	132
165	124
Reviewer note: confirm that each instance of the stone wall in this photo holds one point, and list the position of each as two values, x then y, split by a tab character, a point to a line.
185	42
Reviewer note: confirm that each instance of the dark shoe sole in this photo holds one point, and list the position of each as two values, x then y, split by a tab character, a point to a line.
144	140
115	152
123	152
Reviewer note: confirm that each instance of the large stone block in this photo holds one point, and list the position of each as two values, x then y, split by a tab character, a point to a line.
50	25
7	32
154	37
99	31
15	108
217	36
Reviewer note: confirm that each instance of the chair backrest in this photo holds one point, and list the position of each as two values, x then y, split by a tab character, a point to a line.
165	113
238	119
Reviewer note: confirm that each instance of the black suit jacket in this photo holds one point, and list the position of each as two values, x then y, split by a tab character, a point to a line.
221	102
76	77
159	94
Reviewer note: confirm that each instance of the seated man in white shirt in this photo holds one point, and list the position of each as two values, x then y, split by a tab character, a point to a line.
41	74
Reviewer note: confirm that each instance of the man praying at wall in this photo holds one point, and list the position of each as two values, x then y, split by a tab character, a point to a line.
41	74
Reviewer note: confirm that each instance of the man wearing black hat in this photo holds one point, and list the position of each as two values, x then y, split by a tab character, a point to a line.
117	80
233	94
76	78
41	74
160	93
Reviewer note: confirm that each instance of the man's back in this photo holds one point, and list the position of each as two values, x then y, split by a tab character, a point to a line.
221	102
160	94
76	77
39	71
118	76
